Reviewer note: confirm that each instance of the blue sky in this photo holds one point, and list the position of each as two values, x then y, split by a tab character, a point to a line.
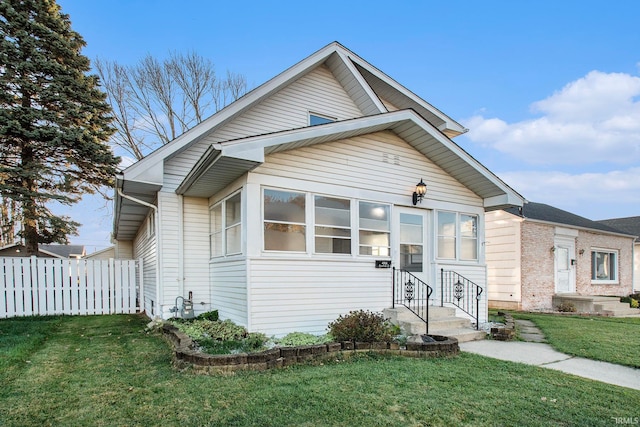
550	90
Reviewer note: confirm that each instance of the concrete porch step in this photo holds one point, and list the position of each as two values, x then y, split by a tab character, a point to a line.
610	306
442	321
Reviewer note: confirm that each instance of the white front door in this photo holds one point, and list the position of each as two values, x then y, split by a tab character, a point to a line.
565	266
411	247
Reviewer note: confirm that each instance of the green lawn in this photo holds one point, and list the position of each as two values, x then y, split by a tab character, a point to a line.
105	371
609	339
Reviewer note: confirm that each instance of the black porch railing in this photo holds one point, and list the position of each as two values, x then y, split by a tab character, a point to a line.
461	292
412	293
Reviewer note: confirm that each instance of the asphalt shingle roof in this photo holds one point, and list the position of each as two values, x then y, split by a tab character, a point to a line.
630	225
542	212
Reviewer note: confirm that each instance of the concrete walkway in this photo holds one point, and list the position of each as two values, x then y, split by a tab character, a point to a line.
534	352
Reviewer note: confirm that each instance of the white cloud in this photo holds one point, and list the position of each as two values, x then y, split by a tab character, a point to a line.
593	195
593	119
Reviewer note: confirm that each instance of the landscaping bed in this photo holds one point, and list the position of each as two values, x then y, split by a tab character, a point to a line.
187	353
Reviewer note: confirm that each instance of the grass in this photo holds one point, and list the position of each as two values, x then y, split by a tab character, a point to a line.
105	371
609	339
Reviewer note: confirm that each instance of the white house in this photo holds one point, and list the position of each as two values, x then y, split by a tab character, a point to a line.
276	209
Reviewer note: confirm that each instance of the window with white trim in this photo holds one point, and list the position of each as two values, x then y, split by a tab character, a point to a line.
151	223
225	227
374	229
284	220
604	266
332	225
457	236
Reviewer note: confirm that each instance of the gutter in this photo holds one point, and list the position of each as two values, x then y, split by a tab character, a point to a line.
157	238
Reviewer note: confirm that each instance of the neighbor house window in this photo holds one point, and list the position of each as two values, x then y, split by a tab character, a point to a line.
317	119
457	236
284	221
374	229
332	225
225	230
604	266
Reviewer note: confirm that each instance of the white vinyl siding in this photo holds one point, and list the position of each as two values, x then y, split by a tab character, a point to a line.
229	290
502	251
381	161
196	253
305	295
287	109
145	248
169	245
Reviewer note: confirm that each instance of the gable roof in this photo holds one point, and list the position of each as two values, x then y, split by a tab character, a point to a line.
357	76
224	162
418	121
630	225
546	213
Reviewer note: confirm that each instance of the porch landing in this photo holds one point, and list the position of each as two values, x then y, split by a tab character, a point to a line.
442	321
606	306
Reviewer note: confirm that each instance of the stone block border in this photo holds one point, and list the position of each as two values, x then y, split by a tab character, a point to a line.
506	333
185	354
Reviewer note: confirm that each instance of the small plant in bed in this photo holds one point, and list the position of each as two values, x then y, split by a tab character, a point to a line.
363	326
221	336
295	339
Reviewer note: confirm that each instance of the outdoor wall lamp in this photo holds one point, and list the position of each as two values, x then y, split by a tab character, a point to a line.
421	190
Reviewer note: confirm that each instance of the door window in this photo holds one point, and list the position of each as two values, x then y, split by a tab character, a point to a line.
411	242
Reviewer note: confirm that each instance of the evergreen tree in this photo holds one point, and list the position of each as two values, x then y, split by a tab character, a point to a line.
54	121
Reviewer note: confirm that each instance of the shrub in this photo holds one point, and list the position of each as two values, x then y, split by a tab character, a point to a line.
634	303
209	315
567	307
294	339
362	326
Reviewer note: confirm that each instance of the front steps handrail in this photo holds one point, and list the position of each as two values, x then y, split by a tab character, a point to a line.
461	292
412	293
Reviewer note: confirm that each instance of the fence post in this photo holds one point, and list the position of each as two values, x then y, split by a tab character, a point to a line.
140	286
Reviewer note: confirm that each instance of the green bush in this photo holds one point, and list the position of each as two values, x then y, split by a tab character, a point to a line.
362	326
567	307
634	303
209	315
294	339
221	336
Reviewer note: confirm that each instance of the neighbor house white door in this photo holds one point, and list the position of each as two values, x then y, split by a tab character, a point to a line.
565	266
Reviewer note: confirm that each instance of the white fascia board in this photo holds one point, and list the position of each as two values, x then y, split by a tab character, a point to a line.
577	227
363	83
449	122
235	108
234	148
511	196
145	171
507	199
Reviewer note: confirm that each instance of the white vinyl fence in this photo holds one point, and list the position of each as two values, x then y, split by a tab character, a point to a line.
48	286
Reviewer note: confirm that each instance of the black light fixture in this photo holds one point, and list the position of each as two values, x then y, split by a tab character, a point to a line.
421	190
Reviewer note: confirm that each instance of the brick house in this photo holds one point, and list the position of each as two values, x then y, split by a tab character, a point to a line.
538	252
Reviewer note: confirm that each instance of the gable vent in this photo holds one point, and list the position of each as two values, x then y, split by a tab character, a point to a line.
391	158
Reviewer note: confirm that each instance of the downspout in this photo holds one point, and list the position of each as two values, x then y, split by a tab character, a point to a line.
158	252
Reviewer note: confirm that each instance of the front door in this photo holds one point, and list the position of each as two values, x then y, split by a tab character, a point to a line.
411	248
565	266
